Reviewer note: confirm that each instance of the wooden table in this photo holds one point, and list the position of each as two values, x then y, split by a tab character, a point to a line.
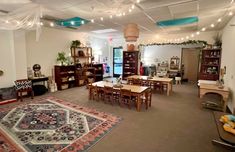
212	88
167	81
136	91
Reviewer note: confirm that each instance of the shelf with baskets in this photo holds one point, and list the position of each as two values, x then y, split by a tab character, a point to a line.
210	64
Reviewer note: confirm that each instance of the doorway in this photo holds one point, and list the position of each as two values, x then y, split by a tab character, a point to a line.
190	64
117	61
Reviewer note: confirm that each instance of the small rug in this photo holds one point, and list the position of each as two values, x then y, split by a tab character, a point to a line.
50	125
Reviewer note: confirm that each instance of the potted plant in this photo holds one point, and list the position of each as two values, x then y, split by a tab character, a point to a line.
61	58
217	40
75	43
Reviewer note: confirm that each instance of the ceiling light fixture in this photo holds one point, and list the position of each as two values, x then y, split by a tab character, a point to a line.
219	20
212	25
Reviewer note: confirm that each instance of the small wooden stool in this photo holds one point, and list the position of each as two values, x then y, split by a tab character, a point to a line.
177	80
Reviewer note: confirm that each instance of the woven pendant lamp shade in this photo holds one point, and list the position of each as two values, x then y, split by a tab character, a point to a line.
131	32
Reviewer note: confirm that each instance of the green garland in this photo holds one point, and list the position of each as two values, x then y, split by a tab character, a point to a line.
204	43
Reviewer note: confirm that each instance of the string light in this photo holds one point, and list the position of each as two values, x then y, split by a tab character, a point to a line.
41	23
92	20
72	22
230	13
192	35
82	22
219	20
203	29
52	24
130	10
111	16
198	33
6	21
137	1
124	14
101	18
133	6
212	25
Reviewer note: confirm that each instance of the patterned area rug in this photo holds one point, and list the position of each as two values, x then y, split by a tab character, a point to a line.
51	125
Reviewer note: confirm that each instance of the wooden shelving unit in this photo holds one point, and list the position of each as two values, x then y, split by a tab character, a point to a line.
210	64
81	54
98	72
130	63
65	76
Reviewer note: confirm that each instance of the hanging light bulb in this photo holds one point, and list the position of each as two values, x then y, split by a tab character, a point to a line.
192	35
182	38
92	20
187	37
101	18
41	23
6	21
137	1
198	33
29	23
72	22
52	24
219	20
212	25
230	13
203	29
133	6
123	14
17	22
111	16
130	10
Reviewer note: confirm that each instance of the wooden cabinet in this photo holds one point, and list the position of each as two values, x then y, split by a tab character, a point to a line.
65	76
130	63
81	54
98	72
210	64
71	76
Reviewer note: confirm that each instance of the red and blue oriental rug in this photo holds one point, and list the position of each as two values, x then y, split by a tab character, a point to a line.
51	125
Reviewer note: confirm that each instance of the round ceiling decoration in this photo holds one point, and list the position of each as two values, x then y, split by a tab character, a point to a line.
131	32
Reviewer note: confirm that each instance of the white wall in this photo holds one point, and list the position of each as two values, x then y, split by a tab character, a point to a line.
12	57
20	55
228	54
6	59
52	41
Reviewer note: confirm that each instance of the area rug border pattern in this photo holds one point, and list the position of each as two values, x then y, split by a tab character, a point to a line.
81	144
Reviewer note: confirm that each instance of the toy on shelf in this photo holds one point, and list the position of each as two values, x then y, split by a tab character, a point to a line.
229	123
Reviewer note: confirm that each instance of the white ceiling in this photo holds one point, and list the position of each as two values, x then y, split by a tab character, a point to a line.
145	14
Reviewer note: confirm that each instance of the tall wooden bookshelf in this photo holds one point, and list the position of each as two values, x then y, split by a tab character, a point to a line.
130	63
210	64
81	55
